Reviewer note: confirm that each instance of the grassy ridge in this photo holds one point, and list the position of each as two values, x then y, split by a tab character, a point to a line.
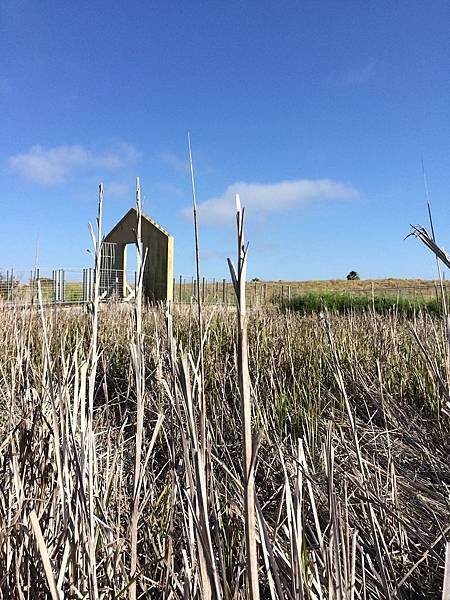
359	284
273	292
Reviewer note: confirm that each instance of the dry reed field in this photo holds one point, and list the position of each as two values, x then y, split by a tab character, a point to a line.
351	473
211	452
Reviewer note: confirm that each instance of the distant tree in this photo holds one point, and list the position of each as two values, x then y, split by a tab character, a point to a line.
353	276
255	279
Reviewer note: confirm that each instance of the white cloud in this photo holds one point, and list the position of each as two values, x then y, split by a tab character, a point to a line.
48	166
259	198
54	165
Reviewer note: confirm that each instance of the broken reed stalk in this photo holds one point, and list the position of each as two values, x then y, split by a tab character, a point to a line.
248	449
441	282
137	354
35	526
433	237
429	240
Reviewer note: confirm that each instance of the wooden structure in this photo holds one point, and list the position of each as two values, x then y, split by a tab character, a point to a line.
157	246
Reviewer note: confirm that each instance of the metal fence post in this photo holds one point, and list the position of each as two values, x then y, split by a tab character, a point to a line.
91	283
10	285
62	295
54	298
83	297
36	282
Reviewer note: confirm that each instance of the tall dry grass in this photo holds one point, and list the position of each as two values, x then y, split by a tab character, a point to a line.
351	477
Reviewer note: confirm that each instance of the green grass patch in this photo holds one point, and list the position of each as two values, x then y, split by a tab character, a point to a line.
343	303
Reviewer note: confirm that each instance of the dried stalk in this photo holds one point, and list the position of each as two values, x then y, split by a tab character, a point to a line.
202	500
248	457
92	374
137	353
199	307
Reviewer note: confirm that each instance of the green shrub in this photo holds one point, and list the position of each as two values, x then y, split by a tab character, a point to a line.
353	276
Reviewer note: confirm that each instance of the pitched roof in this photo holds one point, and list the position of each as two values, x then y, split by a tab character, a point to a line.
145	218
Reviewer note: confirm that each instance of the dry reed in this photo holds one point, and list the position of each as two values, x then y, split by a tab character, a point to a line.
115	481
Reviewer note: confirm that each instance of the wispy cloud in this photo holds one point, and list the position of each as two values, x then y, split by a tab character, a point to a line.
180	164
169	189
175	162
265	198
51	166
361	74
118	189
357	75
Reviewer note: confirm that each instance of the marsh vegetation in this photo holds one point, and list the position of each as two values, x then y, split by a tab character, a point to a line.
351	475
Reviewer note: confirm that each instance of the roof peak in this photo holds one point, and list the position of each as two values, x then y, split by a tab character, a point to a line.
143	216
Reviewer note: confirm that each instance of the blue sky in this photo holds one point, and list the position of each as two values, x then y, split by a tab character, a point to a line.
318	113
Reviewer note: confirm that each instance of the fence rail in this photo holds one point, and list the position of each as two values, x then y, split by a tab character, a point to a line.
58	286
76	286
258	293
